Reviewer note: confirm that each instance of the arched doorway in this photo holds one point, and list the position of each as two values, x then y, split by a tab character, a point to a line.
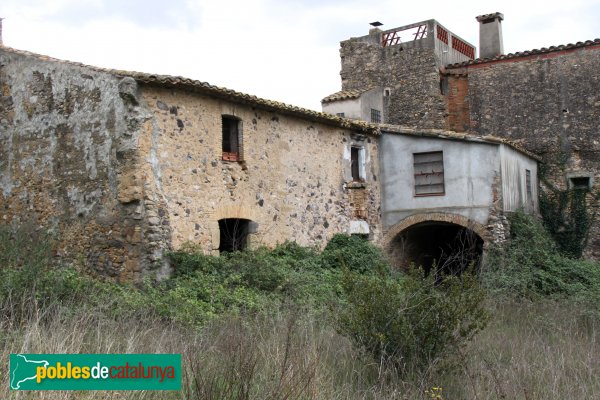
449	243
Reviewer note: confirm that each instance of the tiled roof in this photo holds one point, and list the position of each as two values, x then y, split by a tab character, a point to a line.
452	135
486	17
216	91
345	95
543	50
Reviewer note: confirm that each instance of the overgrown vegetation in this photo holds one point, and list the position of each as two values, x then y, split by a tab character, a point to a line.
567	218
296	323
531	266
412	321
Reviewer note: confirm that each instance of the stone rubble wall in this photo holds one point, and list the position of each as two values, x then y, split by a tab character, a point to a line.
549	104
68	157
292	181
412	73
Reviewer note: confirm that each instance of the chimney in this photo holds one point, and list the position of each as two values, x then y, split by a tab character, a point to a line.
490	35
375	28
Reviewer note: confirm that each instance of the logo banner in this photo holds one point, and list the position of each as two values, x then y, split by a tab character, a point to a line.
95	372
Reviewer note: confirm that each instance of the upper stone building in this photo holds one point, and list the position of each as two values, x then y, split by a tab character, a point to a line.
547	101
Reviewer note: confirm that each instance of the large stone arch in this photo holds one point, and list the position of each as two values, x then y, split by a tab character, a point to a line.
399	242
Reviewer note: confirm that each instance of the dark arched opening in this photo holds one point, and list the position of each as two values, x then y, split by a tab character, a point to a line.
233	234
448	247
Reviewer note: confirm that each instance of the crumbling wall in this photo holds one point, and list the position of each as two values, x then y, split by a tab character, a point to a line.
291	181
68	156
410	70
549	103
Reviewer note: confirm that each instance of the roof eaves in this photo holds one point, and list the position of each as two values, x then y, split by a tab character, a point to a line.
220	92
526	53
452	135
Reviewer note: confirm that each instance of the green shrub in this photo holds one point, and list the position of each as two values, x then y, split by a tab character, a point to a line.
410	320
25	253
530	265
354	253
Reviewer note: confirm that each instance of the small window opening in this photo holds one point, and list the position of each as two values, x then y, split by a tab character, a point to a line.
340	115
387	92
580	182
355	163
444	85
233	234
528	184
429	173
231	138
375	116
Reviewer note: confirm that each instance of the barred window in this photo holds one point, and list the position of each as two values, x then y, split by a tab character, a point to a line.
375	116
429	173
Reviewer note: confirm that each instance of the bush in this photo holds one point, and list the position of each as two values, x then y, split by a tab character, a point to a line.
531	266
354	253
411	321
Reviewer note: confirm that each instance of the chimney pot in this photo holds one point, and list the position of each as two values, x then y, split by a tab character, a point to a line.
490	35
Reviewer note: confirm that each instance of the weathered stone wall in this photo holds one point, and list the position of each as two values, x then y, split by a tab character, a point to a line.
292	180
549	103
68	156
409	69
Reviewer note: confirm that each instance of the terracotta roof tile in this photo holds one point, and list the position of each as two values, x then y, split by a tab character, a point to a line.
526	53
345	95
216	91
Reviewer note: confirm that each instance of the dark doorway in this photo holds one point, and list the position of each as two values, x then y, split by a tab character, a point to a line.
450	248
234	232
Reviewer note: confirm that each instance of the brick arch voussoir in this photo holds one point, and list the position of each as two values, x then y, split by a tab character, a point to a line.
456	219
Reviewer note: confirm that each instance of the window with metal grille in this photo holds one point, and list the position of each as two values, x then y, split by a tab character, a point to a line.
232	138
528	184
429	173
375	116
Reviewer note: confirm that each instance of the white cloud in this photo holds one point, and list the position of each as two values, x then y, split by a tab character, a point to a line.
286	51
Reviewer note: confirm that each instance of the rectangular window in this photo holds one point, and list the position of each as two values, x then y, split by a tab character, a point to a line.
341	115
429	173
579	182
354	163
232	142
375	116
528	184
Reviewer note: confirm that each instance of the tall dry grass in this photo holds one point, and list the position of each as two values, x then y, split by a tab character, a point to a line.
544	350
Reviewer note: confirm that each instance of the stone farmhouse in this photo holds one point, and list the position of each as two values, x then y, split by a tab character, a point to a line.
125	166
547	101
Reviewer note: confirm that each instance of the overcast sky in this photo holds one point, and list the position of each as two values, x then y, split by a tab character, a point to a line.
280	50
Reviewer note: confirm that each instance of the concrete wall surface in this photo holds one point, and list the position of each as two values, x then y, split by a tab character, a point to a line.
470	172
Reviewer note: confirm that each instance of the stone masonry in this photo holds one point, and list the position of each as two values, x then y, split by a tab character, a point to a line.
546	100
291	181
409	70
124	167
